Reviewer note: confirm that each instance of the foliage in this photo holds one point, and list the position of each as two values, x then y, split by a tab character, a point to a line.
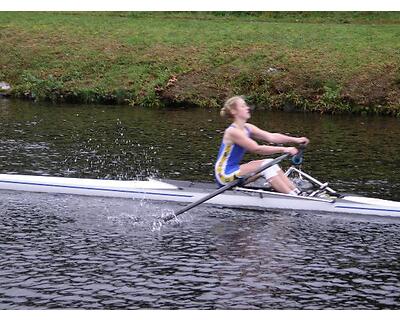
40	89
331	100
322	61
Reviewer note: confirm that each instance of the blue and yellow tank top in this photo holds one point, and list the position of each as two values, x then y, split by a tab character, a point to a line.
227	166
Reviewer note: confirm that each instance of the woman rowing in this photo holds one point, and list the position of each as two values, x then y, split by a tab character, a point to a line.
239	138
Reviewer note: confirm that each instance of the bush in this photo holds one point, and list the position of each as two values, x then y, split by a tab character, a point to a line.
37	89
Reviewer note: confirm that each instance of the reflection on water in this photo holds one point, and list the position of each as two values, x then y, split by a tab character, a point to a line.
59	251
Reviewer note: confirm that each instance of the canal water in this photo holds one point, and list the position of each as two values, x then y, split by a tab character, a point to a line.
66	252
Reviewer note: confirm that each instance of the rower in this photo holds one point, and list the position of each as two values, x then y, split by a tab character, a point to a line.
239	138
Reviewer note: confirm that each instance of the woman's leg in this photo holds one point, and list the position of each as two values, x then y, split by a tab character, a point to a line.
281	183
278	180
250	167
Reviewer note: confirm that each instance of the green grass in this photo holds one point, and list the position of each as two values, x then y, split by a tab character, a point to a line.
330	62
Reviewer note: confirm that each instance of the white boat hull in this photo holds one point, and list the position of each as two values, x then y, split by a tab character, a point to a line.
186	192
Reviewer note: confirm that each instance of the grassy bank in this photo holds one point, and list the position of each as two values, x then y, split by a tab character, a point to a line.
327	62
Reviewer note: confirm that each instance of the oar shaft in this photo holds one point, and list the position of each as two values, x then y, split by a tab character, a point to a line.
204	199
230	185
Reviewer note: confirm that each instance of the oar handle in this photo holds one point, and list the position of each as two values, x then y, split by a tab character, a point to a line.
297	159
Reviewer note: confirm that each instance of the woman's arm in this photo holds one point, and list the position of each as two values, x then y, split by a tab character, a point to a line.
277	138
238	137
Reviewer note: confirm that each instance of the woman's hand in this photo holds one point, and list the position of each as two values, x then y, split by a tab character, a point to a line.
302	140
291	150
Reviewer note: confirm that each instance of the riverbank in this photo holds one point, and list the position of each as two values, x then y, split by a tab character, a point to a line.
325	62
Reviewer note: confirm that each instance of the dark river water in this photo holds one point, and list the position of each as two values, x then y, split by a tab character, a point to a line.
75	252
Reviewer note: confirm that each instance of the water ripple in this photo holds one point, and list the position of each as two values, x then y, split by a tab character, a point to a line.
71	252
76	252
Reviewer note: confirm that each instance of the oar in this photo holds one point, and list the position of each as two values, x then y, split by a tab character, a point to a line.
228	186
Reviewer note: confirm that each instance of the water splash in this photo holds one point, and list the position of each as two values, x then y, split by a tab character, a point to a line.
124	159
158	224
125	219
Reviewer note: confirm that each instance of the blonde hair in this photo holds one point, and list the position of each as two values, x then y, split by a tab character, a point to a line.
229	105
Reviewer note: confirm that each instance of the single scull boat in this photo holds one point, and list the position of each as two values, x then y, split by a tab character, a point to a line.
316	196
